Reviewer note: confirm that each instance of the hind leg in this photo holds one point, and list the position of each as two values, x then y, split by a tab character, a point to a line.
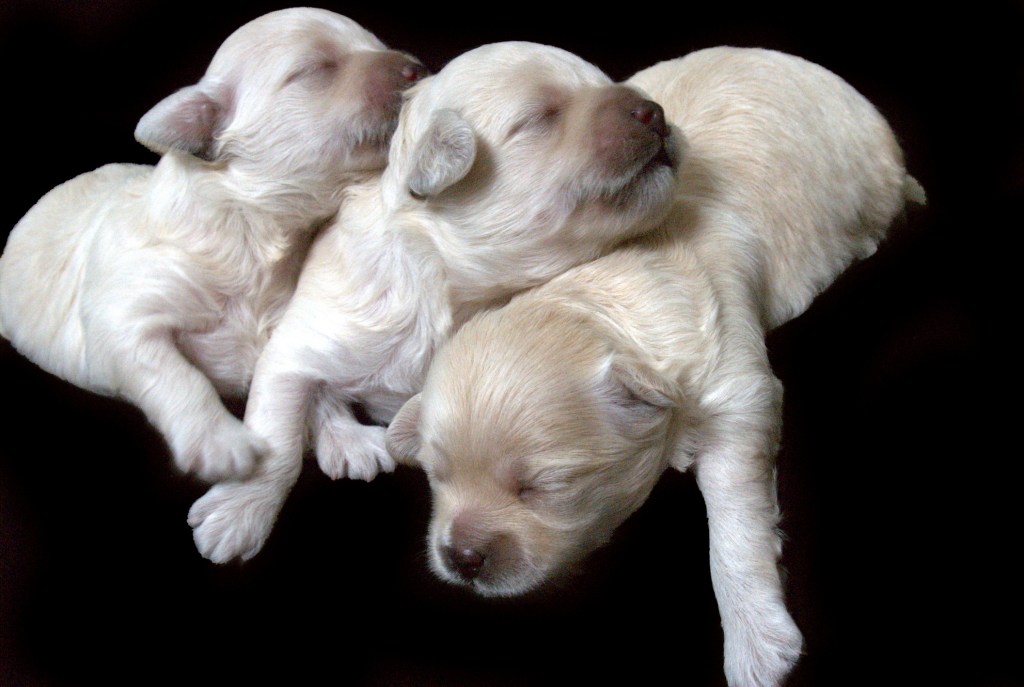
182	403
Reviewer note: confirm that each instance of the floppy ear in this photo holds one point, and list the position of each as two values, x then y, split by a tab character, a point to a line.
641	399
188	120
403	436
443	156
644	384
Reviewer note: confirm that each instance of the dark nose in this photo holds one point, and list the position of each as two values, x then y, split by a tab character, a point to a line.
466	561
651	114
413	72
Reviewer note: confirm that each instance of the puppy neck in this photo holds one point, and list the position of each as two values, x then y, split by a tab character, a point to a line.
381	245
206	206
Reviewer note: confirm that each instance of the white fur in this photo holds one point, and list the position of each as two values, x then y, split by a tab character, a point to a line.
482	197
544	424
162	284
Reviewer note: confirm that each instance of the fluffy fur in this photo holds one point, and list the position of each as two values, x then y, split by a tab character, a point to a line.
514	163
542	425
162	284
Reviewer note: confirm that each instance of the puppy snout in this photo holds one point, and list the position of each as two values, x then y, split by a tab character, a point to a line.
468	562
628	129
403	70
652	115
392	73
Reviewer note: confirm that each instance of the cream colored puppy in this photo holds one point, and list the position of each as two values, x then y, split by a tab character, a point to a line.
542	425
514	163
161	285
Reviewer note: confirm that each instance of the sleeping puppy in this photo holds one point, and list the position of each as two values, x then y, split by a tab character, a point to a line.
161	284
544	424
514	163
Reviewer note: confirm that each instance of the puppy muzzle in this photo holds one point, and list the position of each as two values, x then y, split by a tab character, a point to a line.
388	77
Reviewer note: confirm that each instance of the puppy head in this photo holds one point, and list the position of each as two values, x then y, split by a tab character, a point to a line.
528	160
297	96
536	447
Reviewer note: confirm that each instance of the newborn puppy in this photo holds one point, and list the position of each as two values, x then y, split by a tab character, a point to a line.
514	163
162	284
542	425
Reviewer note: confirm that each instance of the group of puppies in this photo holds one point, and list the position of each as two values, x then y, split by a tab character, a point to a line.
542	287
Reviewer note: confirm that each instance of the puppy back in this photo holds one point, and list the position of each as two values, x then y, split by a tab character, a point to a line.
43	267
809	165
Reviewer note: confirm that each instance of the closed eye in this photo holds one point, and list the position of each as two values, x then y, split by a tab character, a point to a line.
526	493
540	118
312	72
539	486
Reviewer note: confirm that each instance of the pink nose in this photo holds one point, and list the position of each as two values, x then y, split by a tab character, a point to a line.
651	114
413	72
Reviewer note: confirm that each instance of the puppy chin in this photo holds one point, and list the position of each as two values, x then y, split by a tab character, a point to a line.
646	198
367	140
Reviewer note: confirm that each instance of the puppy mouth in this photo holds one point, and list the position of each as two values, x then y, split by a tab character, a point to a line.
393	104
661	158
664	154
373	133
651	181
506	587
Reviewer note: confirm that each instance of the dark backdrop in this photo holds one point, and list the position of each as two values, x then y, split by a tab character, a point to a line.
897	473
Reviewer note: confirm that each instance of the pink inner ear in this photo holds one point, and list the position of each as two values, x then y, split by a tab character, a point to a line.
206	115
187	121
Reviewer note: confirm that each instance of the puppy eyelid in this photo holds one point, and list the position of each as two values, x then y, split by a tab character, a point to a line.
318	68
542	116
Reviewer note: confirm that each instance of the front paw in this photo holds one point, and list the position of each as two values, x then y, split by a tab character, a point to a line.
761	651
226	450
354	451
233	520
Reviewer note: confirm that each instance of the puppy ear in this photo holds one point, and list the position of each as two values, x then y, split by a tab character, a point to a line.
443	156
187	120
403	436
644	384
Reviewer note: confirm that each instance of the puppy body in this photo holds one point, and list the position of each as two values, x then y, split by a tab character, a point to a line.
162	284
514	163
544	424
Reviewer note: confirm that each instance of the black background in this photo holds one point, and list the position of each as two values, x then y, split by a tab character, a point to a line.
898	472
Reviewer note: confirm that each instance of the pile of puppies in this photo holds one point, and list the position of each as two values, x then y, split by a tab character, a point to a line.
543	287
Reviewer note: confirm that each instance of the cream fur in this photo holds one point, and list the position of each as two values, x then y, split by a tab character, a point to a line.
162	284
514	163
542	425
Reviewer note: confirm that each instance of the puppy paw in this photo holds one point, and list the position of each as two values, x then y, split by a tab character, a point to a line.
227	450
763	651
355	451
233	520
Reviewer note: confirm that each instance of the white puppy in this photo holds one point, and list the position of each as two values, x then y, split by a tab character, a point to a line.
162	284
542	425
514	163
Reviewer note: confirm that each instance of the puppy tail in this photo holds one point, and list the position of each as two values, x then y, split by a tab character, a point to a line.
913	191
